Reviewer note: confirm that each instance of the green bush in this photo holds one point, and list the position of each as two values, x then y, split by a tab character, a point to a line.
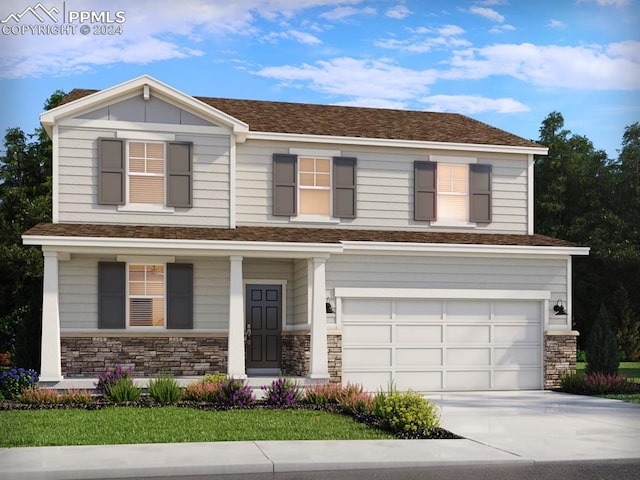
1	397
602	346
123	390
164	389
581	356
216	378
406	412
572	383
13	381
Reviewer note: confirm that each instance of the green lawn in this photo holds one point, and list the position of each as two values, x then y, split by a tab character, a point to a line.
631	370
121	425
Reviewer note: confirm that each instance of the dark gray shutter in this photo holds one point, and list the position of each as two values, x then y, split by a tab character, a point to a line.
179	295
285	184
111	294
111	171
425	190
344	187
480	193
179	174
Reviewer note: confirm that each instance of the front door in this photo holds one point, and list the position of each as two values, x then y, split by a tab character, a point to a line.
263	325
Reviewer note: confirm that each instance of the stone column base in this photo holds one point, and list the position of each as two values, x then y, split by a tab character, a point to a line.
560	350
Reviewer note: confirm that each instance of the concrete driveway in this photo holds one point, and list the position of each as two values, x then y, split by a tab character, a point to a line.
544	426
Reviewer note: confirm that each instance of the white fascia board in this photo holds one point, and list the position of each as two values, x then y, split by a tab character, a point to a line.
403	248
140	129
442	293
384	142
290	249
136	86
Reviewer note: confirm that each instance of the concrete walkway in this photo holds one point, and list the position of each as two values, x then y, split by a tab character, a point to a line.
514	428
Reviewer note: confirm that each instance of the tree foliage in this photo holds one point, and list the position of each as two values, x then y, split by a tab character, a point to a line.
602	349
583	196
25	200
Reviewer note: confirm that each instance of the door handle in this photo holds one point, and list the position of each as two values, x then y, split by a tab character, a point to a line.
247	335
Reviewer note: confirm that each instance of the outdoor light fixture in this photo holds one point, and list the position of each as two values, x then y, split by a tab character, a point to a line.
559	308
328	306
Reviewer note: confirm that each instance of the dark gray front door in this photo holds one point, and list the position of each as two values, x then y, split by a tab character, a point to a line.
263	325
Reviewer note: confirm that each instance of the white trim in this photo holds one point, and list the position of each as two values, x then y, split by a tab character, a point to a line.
125	128
146	136
453	159
314	152
569	302
441	293
233	194
319	358
144	207
50	366
145	259
235	350
530	195
384	142
314	218
55	173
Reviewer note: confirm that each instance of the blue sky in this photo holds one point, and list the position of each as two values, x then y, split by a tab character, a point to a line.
505	62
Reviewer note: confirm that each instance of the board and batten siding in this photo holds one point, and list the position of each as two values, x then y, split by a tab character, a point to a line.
78	182
385	192
442	272
300	291
78	283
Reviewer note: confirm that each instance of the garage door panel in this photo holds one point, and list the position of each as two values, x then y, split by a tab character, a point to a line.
516	312
468	356
419	357
366	310
525	356
371	381
419	310
510	334
366	334
468	334
407	334
420	380
367	357
468	311
468	380
524	379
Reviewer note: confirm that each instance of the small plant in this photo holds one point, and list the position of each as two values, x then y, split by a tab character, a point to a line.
600	384
77	397
13	381
111	376
123	390
201	392
358	403
164	389
572	383
282	393
235	393
323	394
581	356
5	359
40	396
1	397
407	412
215	377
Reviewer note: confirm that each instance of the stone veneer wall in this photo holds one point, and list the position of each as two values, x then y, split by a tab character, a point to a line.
560	349
180	355
296	354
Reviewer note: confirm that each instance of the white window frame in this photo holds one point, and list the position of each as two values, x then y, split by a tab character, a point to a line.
149	328
446	160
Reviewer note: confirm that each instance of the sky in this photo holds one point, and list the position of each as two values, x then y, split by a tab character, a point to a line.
509	63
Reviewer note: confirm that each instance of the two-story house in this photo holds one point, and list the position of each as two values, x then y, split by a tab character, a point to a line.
193	235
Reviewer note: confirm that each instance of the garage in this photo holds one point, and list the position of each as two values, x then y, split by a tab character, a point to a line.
486	340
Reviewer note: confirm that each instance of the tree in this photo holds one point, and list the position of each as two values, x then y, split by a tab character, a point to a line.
25	200
628	328
602	348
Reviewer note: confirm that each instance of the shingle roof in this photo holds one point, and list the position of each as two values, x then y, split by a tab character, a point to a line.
339	121
288	234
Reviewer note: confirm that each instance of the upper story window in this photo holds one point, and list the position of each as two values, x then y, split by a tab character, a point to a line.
152	173
315	186
452	193
146	295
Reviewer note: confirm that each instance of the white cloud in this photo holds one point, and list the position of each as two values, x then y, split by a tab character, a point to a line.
587	67
381	79
556	24
471	104
608	3
399	12
449	37
502	28
450	30
304	37
489	13
340	13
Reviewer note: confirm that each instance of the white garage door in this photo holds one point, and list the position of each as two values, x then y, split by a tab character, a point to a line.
431	345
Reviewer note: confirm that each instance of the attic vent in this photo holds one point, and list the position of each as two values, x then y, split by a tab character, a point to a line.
145	92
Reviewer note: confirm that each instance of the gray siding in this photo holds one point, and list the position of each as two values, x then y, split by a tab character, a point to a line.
78	283
78	190
439	272
301	297
384	187
273	269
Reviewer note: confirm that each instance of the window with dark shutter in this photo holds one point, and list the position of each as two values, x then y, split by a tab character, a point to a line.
425	191
284	184
111	295
344	187
111	171
480	193
179	174
179	295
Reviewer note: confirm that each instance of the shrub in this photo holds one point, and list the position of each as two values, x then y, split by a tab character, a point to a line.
111	376
407	412
5	359
235	393
572	383
215	377
323	394
357	403
602	347
282	392
77	397
40	396
13	381
1	397
600	384
581	356
123	390
201	392
164	389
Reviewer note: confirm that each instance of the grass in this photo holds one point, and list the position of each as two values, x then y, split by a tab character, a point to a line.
122	425
625	397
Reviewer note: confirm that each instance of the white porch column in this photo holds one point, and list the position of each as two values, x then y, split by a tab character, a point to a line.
319	357
235	354
50	369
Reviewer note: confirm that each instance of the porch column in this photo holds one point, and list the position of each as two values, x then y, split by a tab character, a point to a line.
235	353
50	363
319	358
